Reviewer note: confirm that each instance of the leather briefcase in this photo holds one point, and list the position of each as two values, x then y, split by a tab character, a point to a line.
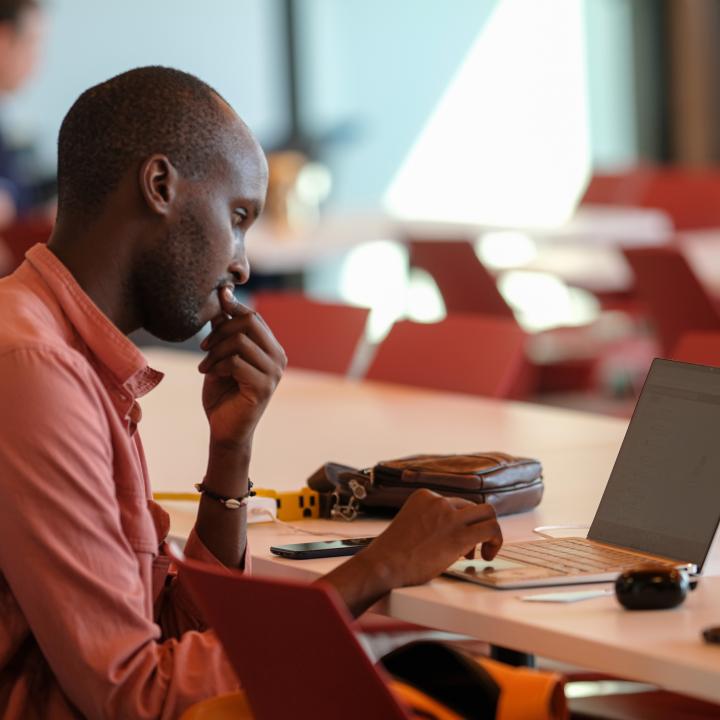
511	484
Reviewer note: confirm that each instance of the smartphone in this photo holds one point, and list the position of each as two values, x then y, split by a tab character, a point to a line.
322	548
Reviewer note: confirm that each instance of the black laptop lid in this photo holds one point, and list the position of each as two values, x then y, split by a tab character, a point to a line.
663	495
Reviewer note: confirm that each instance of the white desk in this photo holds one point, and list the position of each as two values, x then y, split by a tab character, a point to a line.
314	418
661	647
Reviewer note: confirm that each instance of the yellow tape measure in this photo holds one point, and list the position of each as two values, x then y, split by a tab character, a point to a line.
291	505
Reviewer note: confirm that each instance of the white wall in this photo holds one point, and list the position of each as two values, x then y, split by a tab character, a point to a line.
383	65
231	44
611	89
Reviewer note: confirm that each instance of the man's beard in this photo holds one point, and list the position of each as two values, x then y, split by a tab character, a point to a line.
167	284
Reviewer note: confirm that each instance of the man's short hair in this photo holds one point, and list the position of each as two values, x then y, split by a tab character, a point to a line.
119	123
11	11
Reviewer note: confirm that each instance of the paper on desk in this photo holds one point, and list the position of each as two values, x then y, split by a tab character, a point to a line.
566	597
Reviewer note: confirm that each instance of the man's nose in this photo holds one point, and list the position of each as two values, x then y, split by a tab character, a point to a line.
240	268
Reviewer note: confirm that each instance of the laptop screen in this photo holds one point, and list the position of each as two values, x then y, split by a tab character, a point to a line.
663	495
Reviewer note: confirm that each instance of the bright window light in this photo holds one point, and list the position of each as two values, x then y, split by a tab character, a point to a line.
505	249
424	299
542	301
375	275
507	144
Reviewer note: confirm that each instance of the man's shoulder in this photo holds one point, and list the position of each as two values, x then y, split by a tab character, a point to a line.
30	320
29	315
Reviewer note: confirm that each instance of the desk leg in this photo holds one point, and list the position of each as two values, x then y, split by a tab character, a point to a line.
512	657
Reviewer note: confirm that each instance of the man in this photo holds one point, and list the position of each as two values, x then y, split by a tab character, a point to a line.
159	181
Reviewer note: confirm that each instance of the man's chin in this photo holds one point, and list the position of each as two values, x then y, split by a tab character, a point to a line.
175	334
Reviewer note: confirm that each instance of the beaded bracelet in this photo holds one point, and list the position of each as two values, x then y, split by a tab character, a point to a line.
231	503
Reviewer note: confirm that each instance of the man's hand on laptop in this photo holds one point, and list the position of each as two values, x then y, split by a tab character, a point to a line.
428	534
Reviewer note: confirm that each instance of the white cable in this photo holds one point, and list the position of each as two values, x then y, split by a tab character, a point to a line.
297	529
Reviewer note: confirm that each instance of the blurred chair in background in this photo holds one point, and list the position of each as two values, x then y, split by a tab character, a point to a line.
702	348
691	197
562	360
462	353
315	335
675	299
464	283
23	194
20	237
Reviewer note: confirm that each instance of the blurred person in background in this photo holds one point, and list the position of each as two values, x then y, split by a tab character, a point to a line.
22	31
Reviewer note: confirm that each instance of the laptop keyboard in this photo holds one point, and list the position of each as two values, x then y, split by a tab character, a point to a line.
571	556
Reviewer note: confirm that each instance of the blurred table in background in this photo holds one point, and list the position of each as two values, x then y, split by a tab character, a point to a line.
271	251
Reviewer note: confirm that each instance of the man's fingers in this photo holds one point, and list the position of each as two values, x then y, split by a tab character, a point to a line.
230	305
488	533
490	549
243	346
238	369
476	513
460	503
252	325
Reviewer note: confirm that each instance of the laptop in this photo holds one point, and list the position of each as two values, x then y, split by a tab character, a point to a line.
661	504
291	645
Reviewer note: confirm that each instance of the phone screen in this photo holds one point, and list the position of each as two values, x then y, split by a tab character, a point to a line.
322	548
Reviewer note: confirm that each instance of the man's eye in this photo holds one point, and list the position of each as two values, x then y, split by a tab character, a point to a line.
241	214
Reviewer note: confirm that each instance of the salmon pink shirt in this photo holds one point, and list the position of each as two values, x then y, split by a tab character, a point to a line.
91	622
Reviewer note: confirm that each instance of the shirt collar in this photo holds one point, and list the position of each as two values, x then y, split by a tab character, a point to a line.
122	359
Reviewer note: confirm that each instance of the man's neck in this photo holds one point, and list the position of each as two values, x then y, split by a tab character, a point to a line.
100	260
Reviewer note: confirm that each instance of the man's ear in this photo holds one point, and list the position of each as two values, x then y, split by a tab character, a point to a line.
159	184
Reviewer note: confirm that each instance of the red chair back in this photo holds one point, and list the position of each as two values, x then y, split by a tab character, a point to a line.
463	353
22	235
674	297
463	281
702	348
292	647
316	335
622	188
691	197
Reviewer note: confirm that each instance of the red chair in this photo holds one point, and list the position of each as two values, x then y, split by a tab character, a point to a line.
468	287
675	299
316	335
22	235
463	281
463	353
619	188
702	348
691	197
297	656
